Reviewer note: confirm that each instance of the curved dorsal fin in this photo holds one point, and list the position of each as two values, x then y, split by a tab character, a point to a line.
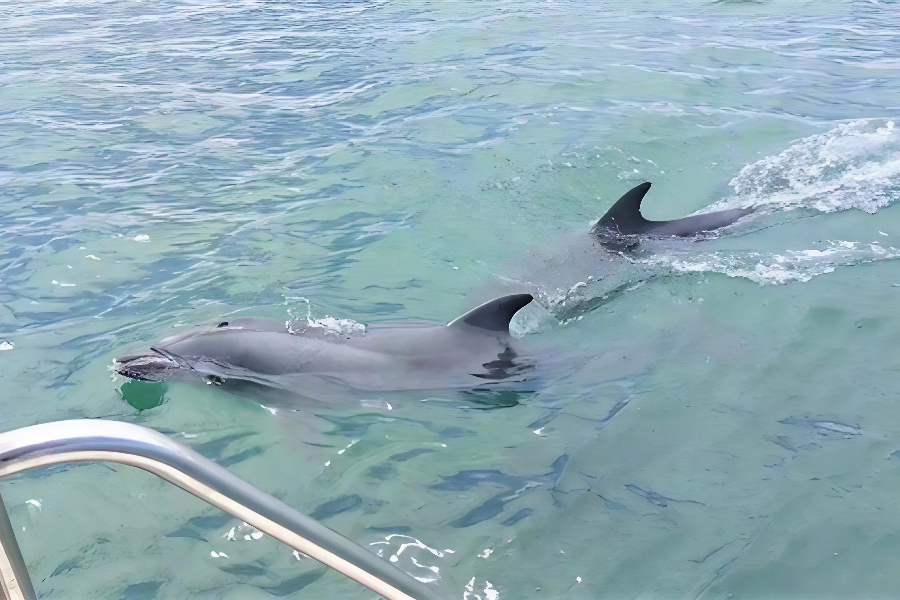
625	215
624	218
494	315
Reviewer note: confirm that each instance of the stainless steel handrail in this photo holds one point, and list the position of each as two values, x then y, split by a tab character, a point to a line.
15	584
87	440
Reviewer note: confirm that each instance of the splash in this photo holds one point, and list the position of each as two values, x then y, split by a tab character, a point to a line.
855	165
336	327
325	327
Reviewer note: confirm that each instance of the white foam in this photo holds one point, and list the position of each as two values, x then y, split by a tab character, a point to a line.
337	326
327	326
855	165
779	269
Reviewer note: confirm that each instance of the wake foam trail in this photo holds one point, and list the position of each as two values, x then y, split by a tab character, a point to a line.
557	306
779	269
855	165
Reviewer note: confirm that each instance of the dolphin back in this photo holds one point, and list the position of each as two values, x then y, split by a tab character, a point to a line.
469	350
625	218
494	315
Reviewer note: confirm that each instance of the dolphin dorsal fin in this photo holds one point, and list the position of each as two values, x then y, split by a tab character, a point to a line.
494	315
625	215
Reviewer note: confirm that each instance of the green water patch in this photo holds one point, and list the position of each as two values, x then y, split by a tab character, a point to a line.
144	395
482	399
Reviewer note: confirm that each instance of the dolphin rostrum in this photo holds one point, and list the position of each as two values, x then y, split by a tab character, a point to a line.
466	352
625	219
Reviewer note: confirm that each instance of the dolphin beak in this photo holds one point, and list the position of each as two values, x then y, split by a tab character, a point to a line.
147	366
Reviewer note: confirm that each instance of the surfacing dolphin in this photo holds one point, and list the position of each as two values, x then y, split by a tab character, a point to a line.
623	224
464	353
585	270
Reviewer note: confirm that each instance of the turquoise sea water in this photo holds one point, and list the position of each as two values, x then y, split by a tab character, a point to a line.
717	419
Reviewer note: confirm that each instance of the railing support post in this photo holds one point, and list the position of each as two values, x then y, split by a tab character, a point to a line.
15	584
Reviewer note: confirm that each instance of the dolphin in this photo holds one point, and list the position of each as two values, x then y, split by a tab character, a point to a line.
471	350
624	221
584	270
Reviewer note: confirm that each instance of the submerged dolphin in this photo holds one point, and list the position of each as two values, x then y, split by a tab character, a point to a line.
625	221
469	350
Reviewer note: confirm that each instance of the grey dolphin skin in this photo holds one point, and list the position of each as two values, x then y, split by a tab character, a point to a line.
466	352
625	219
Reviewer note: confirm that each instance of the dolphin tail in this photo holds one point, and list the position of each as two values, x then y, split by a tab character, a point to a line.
625	218
494	315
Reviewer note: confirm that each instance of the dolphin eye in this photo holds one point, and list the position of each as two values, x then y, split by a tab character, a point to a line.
223	324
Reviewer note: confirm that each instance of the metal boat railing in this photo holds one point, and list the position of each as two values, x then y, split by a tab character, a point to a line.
87	440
